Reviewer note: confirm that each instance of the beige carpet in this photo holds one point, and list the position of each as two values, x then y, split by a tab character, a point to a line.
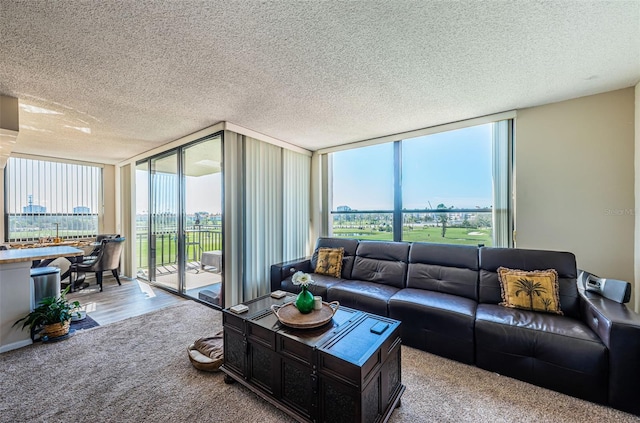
137	370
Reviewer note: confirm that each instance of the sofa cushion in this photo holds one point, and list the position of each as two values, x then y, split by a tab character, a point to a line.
450	269
548	350
318	287
436	322
366	296
535	290
515	258
381	262
330	261
349	245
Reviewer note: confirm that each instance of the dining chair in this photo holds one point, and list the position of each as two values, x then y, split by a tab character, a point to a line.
99	238
108	258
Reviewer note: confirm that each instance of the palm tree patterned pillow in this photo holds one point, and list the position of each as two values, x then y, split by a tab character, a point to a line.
536	290
330	261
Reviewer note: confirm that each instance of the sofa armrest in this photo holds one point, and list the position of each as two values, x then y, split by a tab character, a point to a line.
282	271
619	329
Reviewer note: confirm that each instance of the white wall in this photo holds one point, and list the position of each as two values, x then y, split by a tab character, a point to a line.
575	181
637	200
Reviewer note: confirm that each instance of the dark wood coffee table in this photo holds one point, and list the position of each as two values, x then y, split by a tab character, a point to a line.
348	370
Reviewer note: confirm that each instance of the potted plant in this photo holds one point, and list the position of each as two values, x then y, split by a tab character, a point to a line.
53	315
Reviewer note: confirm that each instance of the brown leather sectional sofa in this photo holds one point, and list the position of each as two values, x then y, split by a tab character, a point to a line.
447	299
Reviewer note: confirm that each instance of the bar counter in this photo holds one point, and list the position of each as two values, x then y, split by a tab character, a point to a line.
16	291
16	255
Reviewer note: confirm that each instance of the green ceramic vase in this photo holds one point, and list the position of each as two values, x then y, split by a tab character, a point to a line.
304	301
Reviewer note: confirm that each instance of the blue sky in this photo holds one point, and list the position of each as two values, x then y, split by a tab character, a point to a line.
453	168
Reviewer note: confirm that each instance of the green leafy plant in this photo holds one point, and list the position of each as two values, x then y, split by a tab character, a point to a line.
49	311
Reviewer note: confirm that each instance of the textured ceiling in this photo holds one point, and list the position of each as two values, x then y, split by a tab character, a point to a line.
106	80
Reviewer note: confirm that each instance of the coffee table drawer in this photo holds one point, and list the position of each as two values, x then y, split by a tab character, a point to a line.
261	335
230	320
235	351
263	368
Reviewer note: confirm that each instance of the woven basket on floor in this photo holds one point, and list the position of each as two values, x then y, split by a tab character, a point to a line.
207	353
56	329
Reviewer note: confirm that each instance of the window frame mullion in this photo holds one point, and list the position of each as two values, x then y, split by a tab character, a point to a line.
397	191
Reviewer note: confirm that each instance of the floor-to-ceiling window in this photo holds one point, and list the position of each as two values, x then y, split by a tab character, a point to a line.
179	219
449	187
363	194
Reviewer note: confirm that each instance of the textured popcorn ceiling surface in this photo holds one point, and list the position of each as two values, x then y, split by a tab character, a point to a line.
106	80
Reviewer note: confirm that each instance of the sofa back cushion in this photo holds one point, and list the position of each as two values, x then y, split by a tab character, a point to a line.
381	262
450	269
348	256
514	258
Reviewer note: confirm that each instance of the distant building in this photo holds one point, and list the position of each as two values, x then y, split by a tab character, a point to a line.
343	208
34	208
81	210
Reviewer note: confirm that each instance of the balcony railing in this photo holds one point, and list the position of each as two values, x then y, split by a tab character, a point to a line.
449	226
34	226
197	241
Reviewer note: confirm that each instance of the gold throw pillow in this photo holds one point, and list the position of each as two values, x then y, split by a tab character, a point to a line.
536	290
330	261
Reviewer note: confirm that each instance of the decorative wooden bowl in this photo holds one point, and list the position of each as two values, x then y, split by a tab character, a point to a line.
289	315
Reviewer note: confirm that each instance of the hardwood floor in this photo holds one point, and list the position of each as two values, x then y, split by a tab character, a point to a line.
116	302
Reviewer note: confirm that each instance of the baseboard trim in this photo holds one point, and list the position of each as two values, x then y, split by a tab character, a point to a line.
15	345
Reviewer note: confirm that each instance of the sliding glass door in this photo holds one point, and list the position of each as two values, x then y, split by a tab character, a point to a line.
179	219
142	220
202	178
164	260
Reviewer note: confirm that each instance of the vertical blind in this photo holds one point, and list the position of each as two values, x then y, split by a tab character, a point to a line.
233	250
263	215
267	203
48	199
296	186
501	149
